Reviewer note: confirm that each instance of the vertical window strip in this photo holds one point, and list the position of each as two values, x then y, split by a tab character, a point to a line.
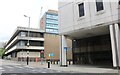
99	5
81	10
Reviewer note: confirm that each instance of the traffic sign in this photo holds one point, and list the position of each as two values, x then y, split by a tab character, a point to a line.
51	55
67	48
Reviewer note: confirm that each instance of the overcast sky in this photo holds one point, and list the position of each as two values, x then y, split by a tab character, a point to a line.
12	11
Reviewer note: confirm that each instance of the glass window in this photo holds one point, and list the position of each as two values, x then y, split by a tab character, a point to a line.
52	30
52	16
81	10
99	5
55	26
23	34
36	43
22	43
52	21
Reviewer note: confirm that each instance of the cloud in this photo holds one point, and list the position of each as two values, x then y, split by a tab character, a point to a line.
12	12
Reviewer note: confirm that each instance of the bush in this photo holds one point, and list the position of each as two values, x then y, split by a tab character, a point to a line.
2	51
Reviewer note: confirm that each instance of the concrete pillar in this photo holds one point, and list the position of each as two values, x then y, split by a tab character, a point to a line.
63	51
117	31
114	33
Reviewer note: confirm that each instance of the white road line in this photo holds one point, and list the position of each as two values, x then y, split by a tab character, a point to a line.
29	67
8	67
2	70
33	70
58	71
43	72
18	66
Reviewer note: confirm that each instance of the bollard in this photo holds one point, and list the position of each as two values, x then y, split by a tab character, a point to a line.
57	62
27	60
69	62
48	64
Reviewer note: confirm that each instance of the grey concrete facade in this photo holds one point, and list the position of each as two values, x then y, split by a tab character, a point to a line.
92	23
17	47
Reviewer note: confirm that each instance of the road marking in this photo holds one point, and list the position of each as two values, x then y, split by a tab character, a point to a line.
18	66
33	70
2	70
59	71
8	67
43	72
28	67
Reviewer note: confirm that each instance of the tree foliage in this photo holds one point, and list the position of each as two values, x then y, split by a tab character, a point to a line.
2	50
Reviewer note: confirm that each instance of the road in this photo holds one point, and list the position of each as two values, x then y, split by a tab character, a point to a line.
8	67
13	67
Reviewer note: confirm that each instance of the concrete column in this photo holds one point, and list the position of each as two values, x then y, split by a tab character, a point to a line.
63	60
114	43
117	31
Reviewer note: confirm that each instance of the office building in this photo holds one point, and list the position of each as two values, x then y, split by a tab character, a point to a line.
25	42
49	22
94	27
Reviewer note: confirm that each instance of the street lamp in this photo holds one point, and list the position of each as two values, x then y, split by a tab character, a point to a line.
28	29
28	43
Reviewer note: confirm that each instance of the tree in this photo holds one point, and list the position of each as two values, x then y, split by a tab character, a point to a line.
2	51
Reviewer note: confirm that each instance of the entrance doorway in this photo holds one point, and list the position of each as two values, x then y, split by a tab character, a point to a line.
93	51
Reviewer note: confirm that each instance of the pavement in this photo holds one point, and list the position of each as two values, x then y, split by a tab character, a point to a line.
9	67
74	68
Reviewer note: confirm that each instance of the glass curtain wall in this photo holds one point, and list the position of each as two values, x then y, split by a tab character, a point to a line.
94	50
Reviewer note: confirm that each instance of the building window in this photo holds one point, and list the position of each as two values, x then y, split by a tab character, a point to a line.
52	16
23	34
99	5
22	43
36	43
51	21
81	10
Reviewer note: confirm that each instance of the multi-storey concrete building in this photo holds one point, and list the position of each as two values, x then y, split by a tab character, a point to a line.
94	27
49	24
18	48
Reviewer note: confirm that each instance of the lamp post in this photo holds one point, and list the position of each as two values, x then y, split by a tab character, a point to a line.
28	29
28	43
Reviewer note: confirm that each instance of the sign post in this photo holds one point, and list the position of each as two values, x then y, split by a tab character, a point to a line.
51	55
66	49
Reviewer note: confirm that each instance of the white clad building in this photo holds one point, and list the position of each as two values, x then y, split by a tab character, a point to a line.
94	27
25	42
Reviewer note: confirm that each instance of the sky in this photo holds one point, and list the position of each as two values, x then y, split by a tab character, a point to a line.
12	14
